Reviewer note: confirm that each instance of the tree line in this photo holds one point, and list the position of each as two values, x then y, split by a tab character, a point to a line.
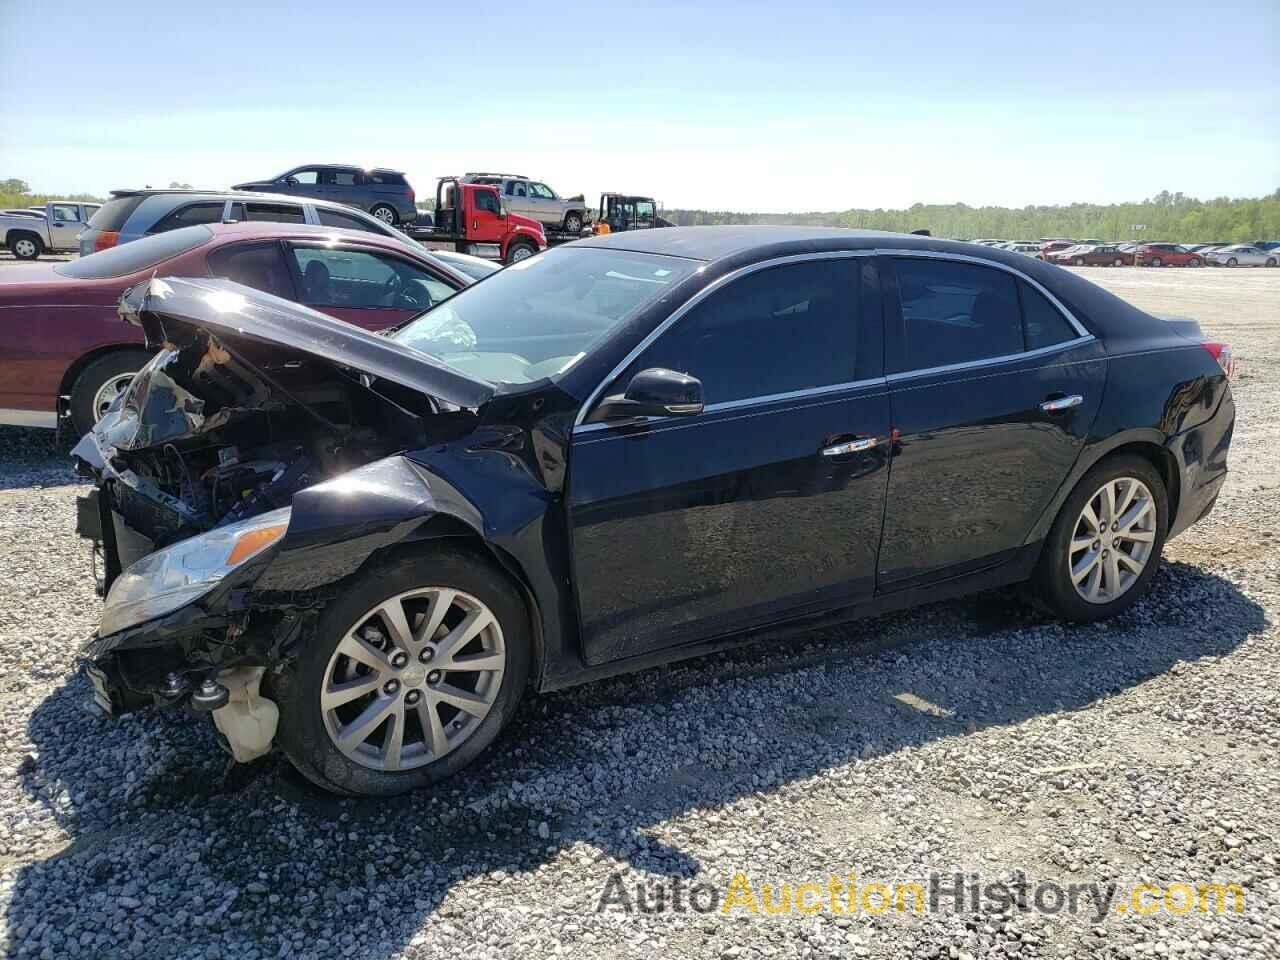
1166	216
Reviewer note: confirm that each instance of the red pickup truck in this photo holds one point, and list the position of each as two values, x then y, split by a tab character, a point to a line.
470	218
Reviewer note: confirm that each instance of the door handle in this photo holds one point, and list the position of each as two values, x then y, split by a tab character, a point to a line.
1058	404
849	446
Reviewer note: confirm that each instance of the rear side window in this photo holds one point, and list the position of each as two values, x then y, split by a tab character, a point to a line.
787	328
335	218
274	212
339	178
257	265
1043	323
131	257
956	313
190	215
387	179
113	214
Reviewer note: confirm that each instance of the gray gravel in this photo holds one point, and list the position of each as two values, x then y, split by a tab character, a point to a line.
971	736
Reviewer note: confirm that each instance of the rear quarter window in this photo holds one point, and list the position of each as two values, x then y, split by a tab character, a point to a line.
386	179
113	214
130	257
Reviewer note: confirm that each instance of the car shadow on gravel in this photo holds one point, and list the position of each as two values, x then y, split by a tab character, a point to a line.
172	849
35	458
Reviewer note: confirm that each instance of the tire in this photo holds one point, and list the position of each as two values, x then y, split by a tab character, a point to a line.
1052	581
573	222
1079	261
386	213
304	732
1117	262
1232	261
520	250
1157	262
1271	262
1193	262
26	246
100	381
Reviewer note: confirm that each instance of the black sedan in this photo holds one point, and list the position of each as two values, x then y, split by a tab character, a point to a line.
630	449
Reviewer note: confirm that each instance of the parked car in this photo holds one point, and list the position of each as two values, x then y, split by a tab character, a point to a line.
54	228
131	214
382	193
1266	244
1103	255
1049	247
1027	249
626	450
73	356
530	198
1242	255
1166	255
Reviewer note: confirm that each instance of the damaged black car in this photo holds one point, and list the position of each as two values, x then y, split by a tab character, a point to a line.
363	550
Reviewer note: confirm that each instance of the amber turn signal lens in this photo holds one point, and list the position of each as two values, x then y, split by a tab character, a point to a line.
255	541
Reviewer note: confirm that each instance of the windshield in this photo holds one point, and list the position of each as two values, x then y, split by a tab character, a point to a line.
538	316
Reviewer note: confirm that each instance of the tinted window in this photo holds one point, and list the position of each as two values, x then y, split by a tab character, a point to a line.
515	188
786	328
257	265
114	213
130	257
389	179
274	212
1043	323
335	218
339	178
956	312
361	279
192	213
309	177
487	201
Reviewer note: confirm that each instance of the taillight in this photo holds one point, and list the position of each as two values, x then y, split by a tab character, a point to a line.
1222	353
105	240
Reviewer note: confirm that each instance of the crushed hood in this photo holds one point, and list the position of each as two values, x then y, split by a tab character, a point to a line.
169	310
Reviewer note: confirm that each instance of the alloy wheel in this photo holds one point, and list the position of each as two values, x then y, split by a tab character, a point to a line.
108	392
413	678
1113	540
385	214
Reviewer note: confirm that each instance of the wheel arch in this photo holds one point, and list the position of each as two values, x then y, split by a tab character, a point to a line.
72	373
18	233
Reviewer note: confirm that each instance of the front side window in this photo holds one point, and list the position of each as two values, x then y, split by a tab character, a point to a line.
308	177
65	211
535	318
781	329
644	210
487	201
274	212
258	265
956	313
542	191
362	279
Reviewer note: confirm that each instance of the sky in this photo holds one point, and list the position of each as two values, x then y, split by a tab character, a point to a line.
767	107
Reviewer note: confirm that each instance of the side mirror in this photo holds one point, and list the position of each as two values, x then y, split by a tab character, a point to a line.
291	181
655	392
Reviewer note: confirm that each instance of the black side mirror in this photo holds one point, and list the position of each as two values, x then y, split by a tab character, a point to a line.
655	392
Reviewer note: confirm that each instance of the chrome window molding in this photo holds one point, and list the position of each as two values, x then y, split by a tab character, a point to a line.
1084	335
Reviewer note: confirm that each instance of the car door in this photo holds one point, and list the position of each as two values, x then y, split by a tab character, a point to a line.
368	287
993	390
765	505
64	225
303	182
517	199
343	186
487	223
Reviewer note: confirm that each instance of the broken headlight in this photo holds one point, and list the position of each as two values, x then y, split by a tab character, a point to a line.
163	581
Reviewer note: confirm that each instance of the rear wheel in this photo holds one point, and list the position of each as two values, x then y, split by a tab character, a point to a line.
573	222
412	673
1193	262
1117	262
1105	545
26	246
520	250
385	213
1232	261
1157	262
1271	261
1079	261
100	383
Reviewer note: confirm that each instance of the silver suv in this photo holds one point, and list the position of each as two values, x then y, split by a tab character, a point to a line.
532	198
133	214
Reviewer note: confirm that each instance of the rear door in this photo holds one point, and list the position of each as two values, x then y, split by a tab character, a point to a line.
343	185
766	505
974	353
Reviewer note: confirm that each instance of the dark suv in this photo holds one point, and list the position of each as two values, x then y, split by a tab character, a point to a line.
384	193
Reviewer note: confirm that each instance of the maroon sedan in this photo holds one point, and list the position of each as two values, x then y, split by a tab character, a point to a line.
63	351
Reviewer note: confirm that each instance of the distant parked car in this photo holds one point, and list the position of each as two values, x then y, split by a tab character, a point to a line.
1101	255
1029	249
1267	244
1242	255
385	194
132	214
1166	255
1048	247
79	355
530	198
54	227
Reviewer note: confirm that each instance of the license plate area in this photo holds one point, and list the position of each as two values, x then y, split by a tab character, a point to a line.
102	691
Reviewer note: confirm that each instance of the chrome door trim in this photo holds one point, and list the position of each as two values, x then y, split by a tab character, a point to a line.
990	361
697	298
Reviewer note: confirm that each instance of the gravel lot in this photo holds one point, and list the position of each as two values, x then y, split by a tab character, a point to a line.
971	736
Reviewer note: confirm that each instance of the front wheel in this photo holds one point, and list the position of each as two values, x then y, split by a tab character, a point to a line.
1117	262
412	672
1104	547
1079	261
520	251
573	223
385	213
1232	261
1157	262
1271	261
26	247
1193	262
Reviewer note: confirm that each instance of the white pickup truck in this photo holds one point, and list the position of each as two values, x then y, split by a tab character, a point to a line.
27	235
